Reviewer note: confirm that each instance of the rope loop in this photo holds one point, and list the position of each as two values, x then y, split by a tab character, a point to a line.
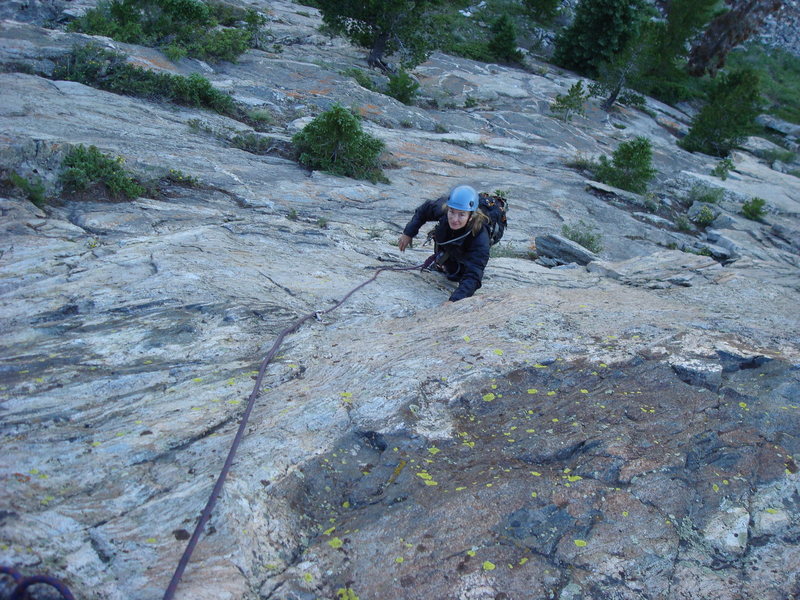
21	584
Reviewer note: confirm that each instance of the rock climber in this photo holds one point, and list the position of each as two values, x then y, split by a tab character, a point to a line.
461	241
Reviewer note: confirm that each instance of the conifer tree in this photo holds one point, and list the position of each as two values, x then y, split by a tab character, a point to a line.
662	71
503	44
542	10
653	61
382	26
600	30
729	115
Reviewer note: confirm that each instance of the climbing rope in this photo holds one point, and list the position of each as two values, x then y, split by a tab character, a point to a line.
212	499
21	584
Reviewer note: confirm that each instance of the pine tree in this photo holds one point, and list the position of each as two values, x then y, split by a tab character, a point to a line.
542	10
653	62
601	29
631	166
503	44
728	117
624	70
663	64
383	26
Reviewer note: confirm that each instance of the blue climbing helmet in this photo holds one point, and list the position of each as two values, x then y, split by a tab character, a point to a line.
463	197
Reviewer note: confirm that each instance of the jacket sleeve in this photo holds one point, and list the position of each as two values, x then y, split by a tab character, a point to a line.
430	210
474	262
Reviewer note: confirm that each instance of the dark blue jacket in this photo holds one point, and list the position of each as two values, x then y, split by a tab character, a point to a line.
462	257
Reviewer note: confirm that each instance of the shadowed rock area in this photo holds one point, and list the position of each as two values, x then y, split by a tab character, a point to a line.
621	481
621	424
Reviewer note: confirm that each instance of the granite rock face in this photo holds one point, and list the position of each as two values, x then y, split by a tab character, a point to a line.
624	429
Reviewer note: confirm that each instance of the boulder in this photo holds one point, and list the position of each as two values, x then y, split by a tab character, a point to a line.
563	251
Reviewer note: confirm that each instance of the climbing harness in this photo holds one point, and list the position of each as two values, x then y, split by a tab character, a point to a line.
212	499
21	584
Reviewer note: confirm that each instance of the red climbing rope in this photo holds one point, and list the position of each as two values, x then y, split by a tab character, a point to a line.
212	499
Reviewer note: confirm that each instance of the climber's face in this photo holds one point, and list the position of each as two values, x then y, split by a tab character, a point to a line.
457	218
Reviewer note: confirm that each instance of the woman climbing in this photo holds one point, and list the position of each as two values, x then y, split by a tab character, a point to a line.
461	241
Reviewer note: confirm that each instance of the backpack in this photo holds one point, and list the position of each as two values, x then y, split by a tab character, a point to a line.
494	207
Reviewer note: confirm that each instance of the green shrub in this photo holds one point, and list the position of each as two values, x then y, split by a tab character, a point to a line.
722	168
334	142
784	156
705	193
178	27
682	223
650	202
630	168
585	235
469	36
225	44
402	87
196	90
573	102
181	178
474	50
779	72
697	251
260	115
582	162
385	27
197	126
633	99
84	167
728	117
33	190
107	70
753	209
250	142
704	217
362	78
